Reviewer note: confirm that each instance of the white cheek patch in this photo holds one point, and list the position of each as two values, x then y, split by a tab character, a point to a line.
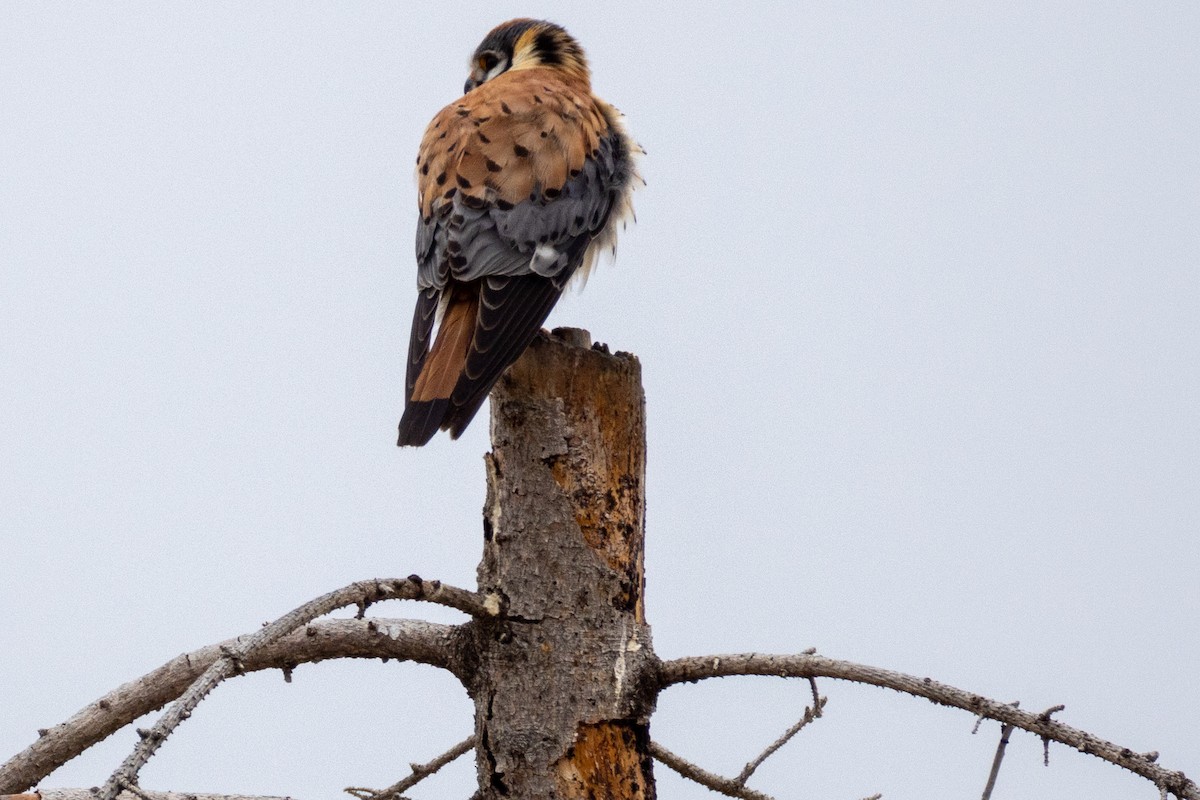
496	70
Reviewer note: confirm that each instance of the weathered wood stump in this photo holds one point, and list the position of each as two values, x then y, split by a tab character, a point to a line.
563	680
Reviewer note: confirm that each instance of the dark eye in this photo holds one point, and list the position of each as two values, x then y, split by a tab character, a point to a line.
487	61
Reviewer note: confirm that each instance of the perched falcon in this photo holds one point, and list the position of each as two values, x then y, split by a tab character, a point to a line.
521	183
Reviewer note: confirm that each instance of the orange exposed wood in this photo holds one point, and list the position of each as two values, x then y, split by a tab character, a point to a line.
605	762
563	694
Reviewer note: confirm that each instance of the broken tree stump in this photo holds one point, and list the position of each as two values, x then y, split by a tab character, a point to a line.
563	681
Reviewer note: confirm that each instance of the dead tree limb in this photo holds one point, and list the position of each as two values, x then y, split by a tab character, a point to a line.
61	743
1005	730
86	794
730	787
419	773
808	665
557	656
810	713
403	640
232	658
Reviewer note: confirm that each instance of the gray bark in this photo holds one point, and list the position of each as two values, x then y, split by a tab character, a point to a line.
403	640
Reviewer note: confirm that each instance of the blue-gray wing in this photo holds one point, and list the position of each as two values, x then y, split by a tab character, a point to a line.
518	258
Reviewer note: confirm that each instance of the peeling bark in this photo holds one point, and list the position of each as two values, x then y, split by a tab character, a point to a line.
564	682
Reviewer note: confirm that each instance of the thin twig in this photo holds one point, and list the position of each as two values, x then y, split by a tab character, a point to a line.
86	794
810	713
233	658
686	670
687	769
136	791
979	720
818	705
419	773
1045	717
1005	730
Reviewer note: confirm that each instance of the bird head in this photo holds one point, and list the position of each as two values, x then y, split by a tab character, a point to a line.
523	44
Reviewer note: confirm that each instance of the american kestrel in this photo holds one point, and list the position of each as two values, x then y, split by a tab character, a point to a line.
521	183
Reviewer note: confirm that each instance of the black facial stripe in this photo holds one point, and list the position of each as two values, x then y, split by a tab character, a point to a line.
545	46
504	40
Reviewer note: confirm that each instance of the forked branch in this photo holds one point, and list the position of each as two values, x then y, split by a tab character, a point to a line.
283	644
810	713
233	658
419	773
403	640
729	787
141	794
810	665
736	787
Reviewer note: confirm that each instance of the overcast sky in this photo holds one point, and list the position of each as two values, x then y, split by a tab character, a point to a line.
916	290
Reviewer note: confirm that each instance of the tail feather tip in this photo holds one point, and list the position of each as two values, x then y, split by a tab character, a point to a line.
420	422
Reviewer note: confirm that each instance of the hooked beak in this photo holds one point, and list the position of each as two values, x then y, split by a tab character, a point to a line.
474	79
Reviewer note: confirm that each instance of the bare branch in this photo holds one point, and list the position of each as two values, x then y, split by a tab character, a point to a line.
1045	716
404	640
810	713
86	794
1005	730
730	788
232	660
419	773
686	670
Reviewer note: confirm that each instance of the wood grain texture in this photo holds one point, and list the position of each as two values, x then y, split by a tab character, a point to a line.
565	683
607	760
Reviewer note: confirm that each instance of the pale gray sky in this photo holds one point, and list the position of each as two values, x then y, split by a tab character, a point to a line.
916	289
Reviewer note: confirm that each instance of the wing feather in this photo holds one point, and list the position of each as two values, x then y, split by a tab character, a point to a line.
418	340
521	305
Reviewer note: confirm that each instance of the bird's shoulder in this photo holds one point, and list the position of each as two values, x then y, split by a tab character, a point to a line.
519	136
